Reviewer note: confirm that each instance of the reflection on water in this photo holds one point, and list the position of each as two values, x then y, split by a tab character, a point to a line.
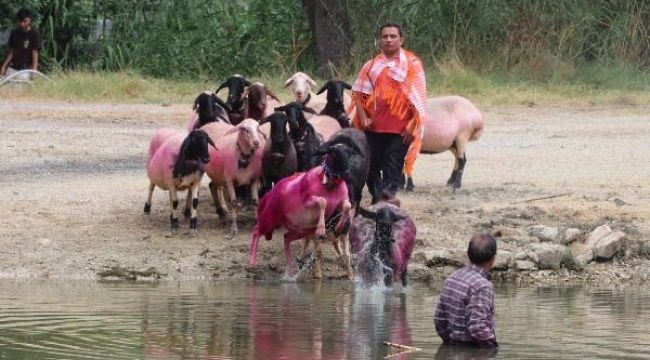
331	320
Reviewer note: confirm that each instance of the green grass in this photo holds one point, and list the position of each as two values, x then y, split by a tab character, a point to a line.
587	86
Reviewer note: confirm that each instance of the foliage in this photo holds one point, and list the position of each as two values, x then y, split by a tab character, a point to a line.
537	40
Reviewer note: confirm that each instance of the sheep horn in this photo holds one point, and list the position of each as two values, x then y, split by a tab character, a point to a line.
223	85
212	143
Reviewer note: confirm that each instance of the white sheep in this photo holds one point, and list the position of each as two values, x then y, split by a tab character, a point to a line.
239	162
301	85
174	164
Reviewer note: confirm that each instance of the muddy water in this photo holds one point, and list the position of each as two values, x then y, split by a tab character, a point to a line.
333	320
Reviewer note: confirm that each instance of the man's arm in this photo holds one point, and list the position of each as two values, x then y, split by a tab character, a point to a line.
480	321
35	59
5	64
361	111
440	321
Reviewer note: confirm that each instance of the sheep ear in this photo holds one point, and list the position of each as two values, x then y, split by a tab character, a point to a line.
355	148
346	85
368	214
265	120
233	130
223	85
271	94
309	110
247	83
288	82
212	143
280	108
196	103
323	88
309	80
397	216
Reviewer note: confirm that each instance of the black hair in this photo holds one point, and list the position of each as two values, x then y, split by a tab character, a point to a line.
392	25
482	248
23	14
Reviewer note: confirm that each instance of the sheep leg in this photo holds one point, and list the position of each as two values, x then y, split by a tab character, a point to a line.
321	203
219	201
303	247
459	174
147	203
188	204
173	202
255	191
193	192
403	276
252	259
318	270
454	173
288	238
233	204
344	207
347	259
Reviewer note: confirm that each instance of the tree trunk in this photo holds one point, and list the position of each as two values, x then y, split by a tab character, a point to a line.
329	21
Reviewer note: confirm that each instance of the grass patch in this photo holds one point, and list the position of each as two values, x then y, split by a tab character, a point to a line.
585	86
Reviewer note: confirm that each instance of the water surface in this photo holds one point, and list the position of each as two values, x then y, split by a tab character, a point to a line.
331	320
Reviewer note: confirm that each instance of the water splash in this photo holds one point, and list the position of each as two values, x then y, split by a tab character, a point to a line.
303	264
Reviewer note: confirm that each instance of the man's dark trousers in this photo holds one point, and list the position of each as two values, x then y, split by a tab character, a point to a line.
386	163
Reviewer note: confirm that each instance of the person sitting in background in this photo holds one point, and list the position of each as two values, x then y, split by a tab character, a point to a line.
465	312
24	45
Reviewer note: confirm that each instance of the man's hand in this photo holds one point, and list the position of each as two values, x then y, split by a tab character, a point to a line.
407	137
366	122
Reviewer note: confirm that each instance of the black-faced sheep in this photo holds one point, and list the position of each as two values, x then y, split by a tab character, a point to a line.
236	85
335	106
208	108
304	137
382	241
279	159
176	164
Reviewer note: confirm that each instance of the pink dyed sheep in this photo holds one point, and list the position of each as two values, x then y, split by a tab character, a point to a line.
175	164
239	163
451	123
302	203
382	240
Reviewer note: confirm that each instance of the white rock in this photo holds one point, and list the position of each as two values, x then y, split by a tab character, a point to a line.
504	260
597	234
548	256
546	233
525	265
609	245
570	235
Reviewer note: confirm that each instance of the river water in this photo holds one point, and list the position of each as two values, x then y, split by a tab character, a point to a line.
49	319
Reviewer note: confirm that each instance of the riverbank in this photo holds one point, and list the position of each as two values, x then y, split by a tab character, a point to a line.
73	181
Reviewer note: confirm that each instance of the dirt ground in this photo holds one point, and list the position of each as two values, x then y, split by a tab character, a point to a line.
73	184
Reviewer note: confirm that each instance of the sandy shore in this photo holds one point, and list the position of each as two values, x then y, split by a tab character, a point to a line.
73	184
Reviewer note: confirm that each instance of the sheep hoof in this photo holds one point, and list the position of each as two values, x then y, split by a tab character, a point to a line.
233	230
193	232
221	213
147	208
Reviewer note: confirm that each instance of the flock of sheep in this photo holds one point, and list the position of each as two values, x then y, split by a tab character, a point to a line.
309	165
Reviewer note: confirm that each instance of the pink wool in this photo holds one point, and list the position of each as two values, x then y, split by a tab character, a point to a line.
293	204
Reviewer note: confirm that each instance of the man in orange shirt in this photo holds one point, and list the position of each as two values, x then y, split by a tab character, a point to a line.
390	95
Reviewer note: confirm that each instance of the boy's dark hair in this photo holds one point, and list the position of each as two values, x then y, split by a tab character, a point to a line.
393	25
481	249
23	14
